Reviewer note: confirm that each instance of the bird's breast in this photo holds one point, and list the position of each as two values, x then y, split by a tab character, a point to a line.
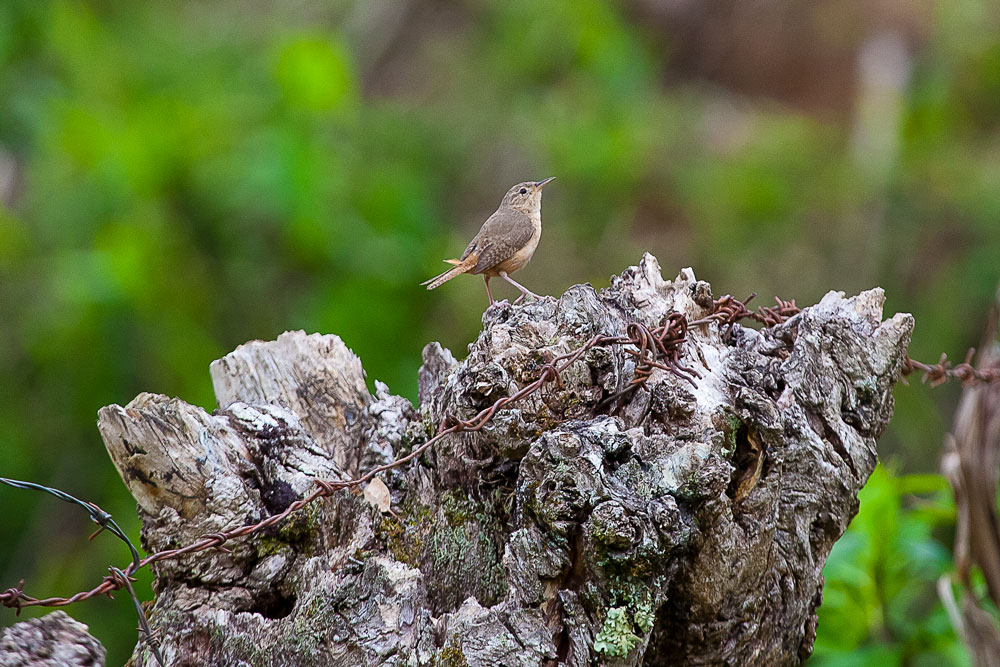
522	256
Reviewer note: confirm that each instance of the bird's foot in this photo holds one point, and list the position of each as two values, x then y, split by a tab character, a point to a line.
524	294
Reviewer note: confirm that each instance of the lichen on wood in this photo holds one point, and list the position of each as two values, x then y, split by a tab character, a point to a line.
683	522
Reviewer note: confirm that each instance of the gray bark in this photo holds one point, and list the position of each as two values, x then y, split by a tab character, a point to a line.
683	524
55	640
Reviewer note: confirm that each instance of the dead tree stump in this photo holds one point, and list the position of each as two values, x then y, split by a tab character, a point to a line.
679	523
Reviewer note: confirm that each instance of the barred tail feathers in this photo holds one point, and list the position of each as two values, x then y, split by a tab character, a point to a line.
461	266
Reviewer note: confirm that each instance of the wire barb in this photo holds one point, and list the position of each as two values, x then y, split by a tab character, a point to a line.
942	371
97	515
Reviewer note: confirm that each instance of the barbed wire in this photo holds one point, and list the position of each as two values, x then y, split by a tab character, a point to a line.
97	515
104	522
942	371
653	348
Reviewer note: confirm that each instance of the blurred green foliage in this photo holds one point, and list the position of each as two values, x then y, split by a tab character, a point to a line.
177	178
879	601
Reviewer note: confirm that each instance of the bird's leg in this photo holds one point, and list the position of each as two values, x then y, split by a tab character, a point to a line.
524	290
488	293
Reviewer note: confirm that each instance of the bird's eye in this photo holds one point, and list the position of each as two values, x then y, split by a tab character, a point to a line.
524	191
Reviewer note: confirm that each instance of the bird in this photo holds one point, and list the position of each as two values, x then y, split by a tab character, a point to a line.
505	242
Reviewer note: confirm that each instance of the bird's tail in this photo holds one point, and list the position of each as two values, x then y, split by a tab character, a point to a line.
461	266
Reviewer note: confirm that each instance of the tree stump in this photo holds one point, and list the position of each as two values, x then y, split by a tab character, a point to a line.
54	640
681	522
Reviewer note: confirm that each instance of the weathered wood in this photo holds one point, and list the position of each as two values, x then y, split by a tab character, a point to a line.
681	524
54	640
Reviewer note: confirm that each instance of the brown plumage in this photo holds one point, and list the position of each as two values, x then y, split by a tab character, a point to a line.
461	266
505	242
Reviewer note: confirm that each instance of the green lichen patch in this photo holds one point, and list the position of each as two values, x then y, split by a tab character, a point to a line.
464	555
733	425
630	616
294	534
403	535
458	544
616	637
416	434
642	613
458	508
449	656
866	388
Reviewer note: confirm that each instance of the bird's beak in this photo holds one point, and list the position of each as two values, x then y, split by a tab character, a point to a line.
540	184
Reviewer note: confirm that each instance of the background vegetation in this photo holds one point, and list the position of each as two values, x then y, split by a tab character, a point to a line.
177	178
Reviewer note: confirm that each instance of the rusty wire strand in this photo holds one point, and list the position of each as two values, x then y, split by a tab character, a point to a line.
658	348
942	371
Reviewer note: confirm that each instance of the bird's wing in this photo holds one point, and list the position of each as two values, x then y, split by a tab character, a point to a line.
502	235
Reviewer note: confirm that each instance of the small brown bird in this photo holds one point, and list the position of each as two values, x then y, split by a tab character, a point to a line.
505	242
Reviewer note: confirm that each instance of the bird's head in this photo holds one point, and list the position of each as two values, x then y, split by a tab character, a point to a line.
526	196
